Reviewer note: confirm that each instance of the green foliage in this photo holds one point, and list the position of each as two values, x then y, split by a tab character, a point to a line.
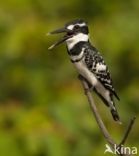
43	111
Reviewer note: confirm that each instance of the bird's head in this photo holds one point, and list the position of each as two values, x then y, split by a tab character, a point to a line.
76	31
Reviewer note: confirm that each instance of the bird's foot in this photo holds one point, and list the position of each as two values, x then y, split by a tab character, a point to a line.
89	89
80	77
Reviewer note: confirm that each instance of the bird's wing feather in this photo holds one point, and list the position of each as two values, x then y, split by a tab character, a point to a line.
96	64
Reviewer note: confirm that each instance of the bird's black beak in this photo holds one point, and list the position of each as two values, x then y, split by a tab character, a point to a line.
61	30
65	37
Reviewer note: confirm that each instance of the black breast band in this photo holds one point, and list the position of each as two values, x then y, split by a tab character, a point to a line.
77	60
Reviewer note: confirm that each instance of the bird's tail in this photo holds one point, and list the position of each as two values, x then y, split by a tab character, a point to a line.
114	111
110	104
115	115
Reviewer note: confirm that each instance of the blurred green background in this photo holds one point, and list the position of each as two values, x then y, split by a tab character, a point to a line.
43	110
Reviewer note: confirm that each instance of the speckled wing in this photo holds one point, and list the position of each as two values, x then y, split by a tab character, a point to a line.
96	64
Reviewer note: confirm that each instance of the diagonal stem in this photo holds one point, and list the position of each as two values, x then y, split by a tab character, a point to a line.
127	131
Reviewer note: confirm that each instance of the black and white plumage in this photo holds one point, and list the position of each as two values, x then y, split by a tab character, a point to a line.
89	62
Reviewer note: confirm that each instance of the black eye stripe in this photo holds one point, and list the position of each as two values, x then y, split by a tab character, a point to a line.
83	29
76	27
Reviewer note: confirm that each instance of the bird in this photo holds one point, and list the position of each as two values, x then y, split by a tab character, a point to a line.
88	62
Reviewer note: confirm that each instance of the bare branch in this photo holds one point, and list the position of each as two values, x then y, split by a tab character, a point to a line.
100	123
128	131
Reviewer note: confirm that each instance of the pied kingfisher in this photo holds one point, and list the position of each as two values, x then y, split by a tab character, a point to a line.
88	62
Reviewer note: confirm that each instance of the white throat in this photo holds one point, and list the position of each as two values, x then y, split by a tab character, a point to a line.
75	39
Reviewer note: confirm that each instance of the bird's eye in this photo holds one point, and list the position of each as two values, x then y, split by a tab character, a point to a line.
76	27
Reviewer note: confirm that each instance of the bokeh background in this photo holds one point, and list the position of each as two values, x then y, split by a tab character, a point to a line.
43	109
